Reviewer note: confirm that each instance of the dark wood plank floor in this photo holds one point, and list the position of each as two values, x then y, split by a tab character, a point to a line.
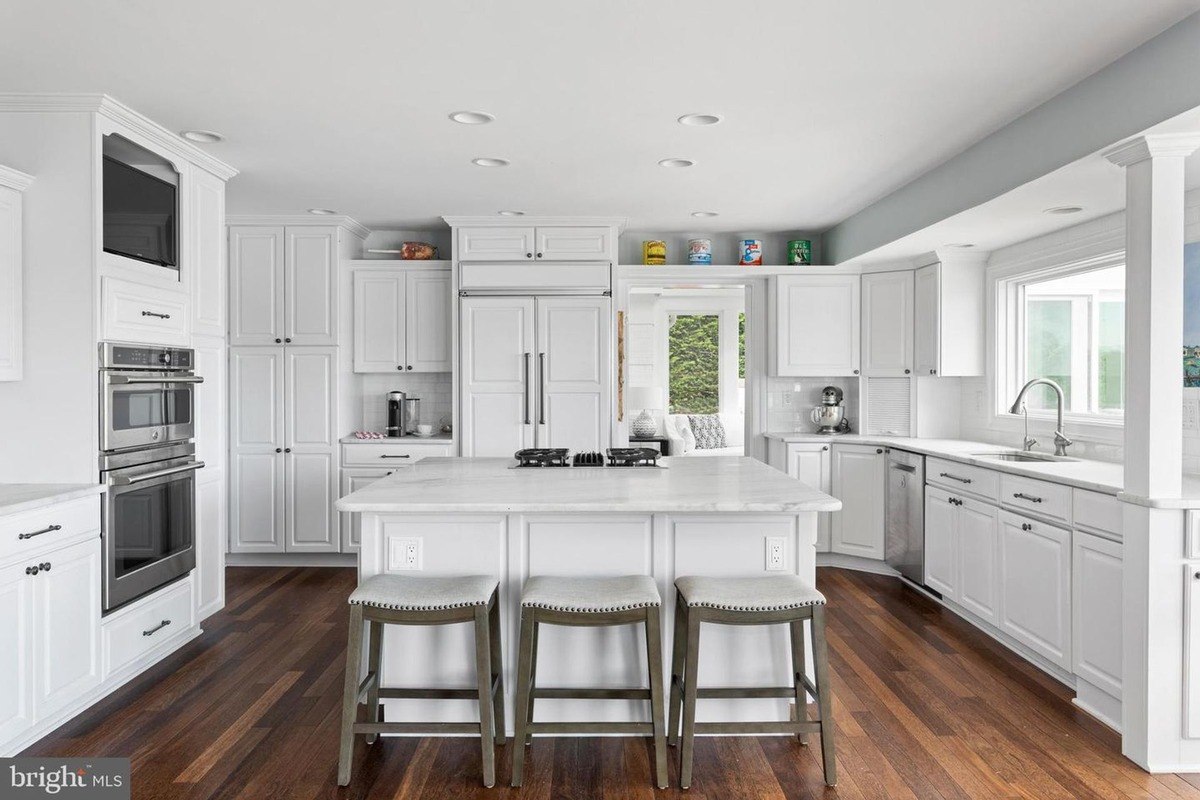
926	707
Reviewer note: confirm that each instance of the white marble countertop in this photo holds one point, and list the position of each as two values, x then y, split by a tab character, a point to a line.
437	438
718	484
15	497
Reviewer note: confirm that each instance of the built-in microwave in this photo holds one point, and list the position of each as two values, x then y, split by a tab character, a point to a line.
147	396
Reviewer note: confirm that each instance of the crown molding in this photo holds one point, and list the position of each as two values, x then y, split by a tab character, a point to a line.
14	179
497	221
117	111
1154	145
951	256
304	220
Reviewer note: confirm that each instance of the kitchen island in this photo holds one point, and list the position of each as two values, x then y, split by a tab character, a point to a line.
689	516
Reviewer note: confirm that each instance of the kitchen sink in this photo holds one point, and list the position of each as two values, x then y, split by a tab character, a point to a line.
1022	455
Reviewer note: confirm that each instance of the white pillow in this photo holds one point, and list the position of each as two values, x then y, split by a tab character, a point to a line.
689	438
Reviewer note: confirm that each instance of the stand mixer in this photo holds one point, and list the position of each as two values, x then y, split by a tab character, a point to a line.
830	416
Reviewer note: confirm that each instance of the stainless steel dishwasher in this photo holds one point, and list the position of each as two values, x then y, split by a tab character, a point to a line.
904	515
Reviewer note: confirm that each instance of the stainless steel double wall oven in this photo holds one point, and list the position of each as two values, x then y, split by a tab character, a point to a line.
148	461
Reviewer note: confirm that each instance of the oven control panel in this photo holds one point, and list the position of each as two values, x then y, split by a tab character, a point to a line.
121	356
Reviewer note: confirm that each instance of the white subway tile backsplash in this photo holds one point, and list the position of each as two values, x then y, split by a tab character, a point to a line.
434	389
791	400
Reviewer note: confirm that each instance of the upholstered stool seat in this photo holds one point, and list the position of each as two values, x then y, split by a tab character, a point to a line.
768	593
589	602
423	600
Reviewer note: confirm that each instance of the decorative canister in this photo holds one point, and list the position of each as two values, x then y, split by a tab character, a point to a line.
800	252
751	252
654	253
699	251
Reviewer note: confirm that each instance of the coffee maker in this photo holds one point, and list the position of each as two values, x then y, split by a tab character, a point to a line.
397	410
830	416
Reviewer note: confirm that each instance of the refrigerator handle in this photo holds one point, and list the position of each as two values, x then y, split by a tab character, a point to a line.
541	388
525	382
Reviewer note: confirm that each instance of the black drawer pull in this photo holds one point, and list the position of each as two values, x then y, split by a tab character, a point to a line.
45	566
1029	497
385	455
51	529
954	477
157	628
155	314
34	570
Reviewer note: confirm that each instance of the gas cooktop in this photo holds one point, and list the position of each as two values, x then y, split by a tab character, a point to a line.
533	458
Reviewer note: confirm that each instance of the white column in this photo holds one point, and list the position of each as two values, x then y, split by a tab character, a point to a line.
1153	624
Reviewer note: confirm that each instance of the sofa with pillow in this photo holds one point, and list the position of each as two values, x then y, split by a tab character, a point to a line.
678	429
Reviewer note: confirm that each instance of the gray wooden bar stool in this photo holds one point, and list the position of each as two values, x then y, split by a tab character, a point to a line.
765	600
418	600
589	602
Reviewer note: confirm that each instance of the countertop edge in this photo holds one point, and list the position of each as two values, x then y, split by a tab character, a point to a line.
416	440
83	490
554	508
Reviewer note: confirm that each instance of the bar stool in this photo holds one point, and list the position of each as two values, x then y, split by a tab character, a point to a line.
749	601
589	602
417	600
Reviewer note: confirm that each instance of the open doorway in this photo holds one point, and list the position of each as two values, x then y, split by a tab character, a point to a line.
685	369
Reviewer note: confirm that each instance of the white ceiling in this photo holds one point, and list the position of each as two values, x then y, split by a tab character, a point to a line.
828	106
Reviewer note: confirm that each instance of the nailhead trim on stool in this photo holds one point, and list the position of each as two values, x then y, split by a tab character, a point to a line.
768	593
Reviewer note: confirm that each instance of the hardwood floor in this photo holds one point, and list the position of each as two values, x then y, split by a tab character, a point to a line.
926	707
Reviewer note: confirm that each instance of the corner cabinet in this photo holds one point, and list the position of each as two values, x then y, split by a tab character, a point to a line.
12	184
402	320
549	243
814	325
283	285
887	324
949	319
859	481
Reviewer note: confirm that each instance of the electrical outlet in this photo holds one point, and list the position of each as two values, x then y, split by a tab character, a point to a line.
404	553
787	398
776	553
1191	416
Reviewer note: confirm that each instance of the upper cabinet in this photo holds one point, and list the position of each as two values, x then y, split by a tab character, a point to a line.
283	285
550	243
12	184
402	320
887	324
814	325
949	319
207	246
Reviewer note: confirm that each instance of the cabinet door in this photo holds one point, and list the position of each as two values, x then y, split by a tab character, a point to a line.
591	243
256	424
211	535
310	392
941	542
310	316
16	650
859	478
208	278
978	560
352	481
427	321
572	373
310	520
255	286
816	325
1096	609
887	318
927	320
495	244
1035	586
497	374
211	425
11	268
811	464
378	321
66	629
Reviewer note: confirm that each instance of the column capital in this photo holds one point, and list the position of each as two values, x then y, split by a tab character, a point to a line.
1154	145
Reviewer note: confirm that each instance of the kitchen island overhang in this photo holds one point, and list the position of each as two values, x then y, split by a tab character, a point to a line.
697	516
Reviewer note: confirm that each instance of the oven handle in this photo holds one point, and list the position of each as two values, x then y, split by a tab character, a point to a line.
146	476
114	379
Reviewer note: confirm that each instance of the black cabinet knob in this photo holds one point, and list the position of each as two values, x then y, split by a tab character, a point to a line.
855	372
287	449
539	255
529	255
45	566
287	340
907	371
878	449
409	367
279	341
278	449
400	367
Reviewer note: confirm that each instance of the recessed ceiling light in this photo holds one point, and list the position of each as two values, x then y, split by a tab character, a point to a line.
472	117
490	162
511	213
959	245
1063	210
676	162
700	119
206	137
704	213
324	212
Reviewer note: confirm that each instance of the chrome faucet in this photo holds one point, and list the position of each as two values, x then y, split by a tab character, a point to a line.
1061	442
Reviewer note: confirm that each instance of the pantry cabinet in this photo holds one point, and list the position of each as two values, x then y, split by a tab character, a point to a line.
548	243
812	463
1035	586
814	325
402	320
948	312
859	476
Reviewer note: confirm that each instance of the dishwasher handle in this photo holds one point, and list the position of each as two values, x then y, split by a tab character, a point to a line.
904	467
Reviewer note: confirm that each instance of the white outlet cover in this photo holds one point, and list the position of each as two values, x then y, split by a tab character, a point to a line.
398	550
776	553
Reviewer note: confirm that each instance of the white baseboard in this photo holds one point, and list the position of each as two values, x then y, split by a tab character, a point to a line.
291	560
1098	703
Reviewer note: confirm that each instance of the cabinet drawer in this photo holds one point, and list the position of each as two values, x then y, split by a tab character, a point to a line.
390	455
52	527
138	630
1100	512
136	313
962	478
1037	497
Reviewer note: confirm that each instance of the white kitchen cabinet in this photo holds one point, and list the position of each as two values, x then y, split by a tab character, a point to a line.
495	243
135	312
12	184
549	243
1035	586
812	463
978	556
814	325
283	285
859	477
207	251
941	542
1096	611
949	318
573	365
887	324
497	375
402	320
310	521
66	633
16	650
584	243
212	535
352	481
